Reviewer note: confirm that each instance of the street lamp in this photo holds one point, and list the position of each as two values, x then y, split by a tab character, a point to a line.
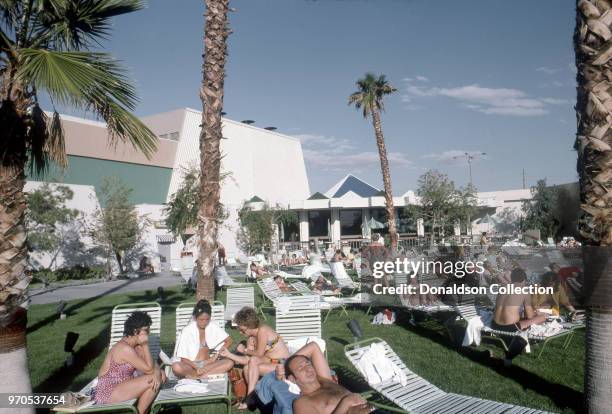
469	157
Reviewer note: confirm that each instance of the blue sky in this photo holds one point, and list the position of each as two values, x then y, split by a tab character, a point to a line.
477	76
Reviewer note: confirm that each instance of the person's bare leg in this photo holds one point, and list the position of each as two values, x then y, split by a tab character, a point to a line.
139	387
218	367
313	352
182	370
252	373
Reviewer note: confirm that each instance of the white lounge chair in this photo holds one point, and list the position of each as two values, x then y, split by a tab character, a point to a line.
298	316
419	396
119	315
238	298
342	278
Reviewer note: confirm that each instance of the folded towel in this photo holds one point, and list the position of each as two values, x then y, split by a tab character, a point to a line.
190	386
377	368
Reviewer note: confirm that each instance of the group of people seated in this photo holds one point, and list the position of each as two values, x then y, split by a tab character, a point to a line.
518	312
293	259
203	348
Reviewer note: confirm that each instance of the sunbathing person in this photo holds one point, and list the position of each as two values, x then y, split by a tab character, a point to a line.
319	394
508	318
258	271
322	285
280	282
197	341
552	303
116	381
265	348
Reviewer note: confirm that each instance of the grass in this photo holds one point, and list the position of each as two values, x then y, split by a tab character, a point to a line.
553	382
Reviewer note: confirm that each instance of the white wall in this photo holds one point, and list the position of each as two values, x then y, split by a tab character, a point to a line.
86	202
260	162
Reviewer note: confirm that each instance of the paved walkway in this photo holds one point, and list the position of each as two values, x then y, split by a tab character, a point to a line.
66	293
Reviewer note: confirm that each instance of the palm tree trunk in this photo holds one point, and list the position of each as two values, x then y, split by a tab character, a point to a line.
216	31
384	166
593	143
13	280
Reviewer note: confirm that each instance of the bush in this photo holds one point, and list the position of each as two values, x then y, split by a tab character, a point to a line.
77	272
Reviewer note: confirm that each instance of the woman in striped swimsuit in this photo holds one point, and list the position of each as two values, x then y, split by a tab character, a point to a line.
116	381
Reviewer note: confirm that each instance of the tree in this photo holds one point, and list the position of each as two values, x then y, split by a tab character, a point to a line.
594	146
508	221
216	31
369	98
44	50
48	219
119	228
256	229
466	206
182	210
439	200
540	210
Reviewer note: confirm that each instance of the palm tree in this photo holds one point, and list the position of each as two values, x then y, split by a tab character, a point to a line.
592	37
216	31
369	98
44	49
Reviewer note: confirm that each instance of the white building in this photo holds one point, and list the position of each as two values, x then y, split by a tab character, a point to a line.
259	162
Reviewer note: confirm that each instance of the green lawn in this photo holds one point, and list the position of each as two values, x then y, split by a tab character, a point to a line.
553	382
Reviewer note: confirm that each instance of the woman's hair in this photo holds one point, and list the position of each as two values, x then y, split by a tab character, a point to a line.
549	279
247	316
201	307
135	322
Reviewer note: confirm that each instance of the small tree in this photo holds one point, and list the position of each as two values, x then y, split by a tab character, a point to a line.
540	210
48	219
182	210
439	200
257	226
466	205
509	221
118	226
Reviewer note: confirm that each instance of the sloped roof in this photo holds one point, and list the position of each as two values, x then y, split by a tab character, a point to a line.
255	199
317	196
354	184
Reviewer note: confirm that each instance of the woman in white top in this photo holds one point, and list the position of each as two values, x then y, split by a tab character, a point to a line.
198	340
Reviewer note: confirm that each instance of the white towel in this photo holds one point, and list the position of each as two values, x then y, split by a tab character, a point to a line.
377	368
191	386
293	345
188	344
472	332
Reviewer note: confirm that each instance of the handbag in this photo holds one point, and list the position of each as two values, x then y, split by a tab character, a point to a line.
239	385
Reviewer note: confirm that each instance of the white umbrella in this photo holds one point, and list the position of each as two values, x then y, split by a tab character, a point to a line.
373	224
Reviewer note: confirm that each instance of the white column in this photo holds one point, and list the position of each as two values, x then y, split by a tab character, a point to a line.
364	222
304	236
420	227
457	228
335	226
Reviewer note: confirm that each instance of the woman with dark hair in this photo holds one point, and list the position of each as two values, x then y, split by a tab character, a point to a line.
116	381
196	354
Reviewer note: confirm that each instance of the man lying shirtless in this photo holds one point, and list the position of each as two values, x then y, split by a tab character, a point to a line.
320	395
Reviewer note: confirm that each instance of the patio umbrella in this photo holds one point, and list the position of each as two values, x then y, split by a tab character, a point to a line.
373	224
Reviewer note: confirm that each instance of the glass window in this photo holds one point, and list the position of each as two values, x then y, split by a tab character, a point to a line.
380	215
174	136
318	223
350	222
164	136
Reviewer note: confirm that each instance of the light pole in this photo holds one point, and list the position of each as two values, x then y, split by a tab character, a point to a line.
469	157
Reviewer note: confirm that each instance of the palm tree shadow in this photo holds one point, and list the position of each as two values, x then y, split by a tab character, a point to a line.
70	309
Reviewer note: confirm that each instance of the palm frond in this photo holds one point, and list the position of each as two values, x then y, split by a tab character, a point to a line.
92	81
73	78
45	140
9	11
74	24
124	126
370	93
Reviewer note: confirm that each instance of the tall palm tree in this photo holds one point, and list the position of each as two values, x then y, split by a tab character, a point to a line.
369	97
44	50
216	31
593	47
